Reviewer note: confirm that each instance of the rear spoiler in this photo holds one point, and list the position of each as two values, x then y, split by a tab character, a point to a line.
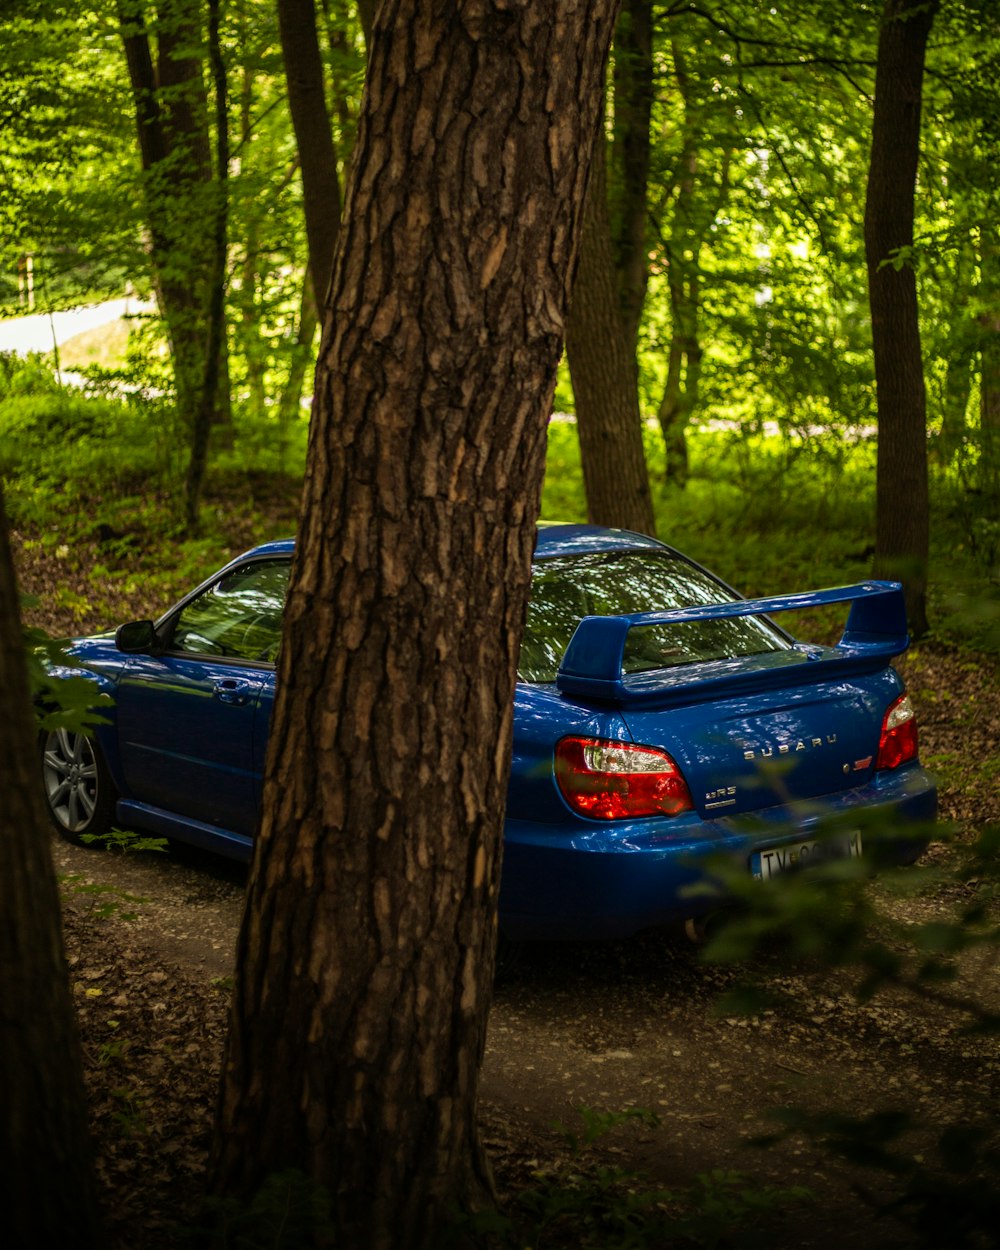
875	632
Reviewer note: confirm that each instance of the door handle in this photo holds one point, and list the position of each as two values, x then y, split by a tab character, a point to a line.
232	690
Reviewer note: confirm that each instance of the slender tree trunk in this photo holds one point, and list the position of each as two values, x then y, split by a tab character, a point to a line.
955	402
634	91
902	524
47	1187
313	136
602	366
215	347
303	357
682	271
608	295
365	958
989	380
697	204
957	389
961	345
180	196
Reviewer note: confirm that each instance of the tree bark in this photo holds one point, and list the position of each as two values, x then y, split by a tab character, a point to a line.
633	93
365	958
989	378
902	525
313	137
603	369
698	202
301	357
47	1186
215	347
957	389
180	195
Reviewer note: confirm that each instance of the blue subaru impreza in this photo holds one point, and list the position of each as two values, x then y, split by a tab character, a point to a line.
660	721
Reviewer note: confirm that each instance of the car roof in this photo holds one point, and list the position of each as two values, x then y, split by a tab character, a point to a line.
561	538
555	538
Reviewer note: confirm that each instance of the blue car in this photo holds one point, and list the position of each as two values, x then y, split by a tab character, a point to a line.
660	720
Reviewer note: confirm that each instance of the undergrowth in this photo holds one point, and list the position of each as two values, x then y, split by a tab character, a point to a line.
769	514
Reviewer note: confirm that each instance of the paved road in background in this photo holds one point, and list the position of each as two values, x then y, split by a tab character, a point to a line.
35	333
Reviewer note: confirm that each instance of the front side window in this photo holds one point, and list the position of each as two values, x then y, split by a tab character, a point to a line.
620	583
239	617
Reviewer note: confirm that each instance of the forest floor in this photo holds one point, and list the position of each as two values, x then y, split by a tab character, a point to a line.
151	945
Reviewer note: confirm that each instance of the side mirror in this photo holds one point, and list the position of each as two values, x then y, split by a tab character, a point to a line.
136	638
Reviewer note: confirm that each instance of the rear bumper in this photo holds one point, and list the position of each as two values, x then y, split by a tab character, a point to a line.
591	879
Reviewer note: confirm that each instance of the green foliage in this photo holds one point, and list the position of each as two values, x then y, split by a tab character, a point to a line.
597	1124
66	158
829	918
288	1212
72	703
950	1199
124	841
114	1051
580	1204
57	443
92	477
129	1111
773	513
587	1205
104	901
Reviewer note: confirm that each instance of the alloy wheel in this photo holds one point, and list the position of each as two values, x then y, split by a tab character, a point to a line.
72	779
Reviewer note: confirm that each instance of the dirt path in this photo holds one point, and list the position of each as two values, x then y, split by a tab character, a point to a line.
607	1027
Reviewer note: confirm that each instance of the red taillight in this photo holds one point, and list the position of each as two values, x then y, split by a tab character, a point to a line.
613	780
898	742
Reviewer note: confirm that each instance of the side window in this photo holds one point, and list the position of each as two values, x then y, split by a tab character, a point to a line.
239	617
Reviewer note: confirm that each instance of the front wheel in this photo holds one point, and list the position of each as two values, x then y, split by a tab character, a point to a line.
79	793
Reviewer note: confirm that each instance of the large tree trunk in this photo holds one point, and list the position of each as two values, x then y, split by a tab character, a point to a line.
47	1188
365	957
602	366
902	525
313	137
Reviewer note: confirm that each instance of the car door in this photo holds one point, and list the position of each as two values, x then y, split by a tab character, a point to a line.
186	716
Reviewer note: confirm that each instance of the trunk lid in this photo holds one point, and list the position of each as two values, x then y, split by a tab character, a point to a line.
742	754
751	731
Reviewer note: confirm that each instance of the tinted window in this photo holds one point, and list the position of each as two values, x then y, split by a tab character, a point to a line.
612	583
239	617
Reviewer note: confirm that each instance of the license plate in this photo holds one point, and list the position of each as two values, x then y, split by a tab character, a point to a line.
796	855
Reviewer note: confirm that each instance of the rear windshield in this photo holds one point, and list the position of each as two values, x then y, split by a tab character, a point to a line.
612	583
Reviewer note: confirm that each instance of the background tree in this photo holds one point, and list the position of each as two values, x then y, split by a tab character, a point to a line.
165	61
608	295
47	1184
61	97
313	136
700	184
365	960
216	347
602	364
902	519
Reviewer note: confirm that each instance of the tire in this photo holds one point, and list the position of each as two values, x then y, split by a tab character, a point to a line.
80	796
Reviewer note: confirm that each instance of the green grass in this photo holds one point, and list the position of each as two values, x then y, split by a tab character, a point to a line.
772	516
105	346
769	515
